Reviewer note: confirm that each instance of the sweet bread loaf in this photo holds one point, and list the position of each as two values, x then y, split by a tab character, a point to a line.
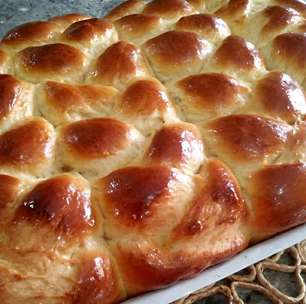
139	149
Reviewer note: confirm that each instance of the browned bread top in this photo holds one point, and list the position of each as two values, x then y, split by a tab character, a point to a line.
140	148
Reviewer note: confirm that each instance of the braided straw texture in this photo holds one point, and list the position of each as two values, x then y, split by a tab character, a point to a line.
139	149
254	285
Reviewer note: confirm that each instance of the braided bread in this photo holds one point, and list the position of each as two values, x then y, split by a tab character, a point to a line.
139	149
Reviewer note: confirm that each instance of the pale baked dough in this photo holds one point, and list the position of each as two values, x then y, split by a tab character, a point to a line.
140	149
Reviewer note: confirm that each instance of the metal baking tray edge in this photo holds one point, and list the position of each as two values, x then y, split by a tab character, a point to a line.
213	274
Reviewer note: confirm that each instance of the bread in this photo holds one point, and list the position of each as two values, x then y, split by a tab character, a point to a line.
139	149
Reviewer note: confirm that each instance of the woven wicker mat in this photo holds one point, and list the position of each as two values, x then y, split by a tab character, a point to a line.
278	279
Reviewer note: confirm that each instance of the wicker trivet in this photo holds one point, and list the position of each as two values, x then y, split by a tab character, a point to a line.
278	279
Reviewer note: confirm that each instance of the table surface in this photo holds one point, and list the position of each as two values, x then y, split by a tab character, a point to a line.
15	12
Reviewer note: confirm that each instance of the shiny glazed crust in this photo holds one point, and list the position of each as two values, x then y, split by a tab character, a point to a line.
139	149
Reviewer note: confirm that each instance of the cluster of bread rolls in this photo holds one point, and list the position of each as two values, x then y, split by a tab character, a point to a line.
139	149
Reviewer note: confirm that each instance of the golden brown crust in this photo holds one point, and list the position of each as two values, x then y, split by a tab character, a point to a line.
208	26
279	17
273	188
211	90
61	204
272	20
298	5
64	102
234	10
97	146
118	64
16	101
297	144
143	97
148	268
66	97
33	32
302	28
247	137
286	52
128	7
237	53
27	146
291	47
54	57
146	105
219	202
10	89
86	30
136	200
281	96
97	280
168	8
136	26
95	138
139	149
176	145
8	191
4	62
50	61
132	194
176	52
3	58
186	46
